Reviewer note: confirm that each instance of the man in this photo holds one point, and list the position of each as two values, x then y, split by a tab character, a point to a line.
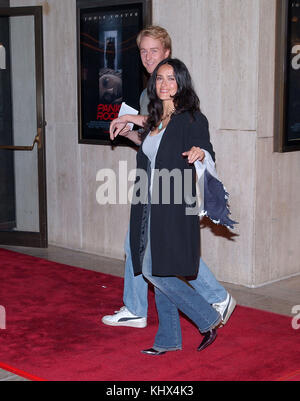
155	45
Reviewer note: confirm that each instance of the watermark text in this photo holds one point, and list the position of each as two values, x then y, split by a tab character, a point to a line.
164	186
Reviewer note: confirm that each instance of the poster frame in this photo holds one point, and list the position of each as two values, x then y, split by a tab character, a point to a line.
282	143
99	5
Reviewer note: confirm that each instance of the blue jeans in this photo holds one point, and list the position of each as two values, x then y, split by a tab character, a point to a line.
173	294
135	296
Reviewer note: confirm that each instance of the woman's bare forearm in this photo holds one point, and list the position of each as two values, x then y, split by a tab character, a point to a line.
136	120
134	136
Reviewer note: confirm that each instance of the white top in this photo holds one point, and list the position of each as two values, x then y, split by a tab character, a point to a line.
151	145
150	148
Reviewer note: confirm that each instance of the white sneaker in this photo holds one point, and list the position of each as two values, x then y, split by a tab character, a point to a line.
225	308
125	318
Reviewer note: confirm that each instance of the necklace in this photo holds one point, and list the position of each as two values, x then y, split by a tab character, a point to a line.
164	118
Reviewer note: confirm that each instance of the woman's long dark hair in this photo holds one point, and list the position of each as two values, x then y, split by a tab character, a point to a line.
185	99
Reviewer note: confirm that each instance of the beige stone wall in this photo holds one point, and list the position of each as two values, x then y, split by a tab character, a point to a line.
219	41
229	47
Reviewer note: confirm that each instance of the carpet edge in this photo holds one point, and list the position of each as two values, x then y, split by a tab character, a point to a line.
20	372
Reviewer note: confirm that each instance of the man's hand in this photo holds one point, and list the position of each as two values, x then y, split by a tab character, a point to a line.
194	154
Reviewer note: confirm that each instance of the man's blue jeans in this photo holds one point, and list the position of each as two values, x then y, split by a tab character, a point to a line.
135	296
171	295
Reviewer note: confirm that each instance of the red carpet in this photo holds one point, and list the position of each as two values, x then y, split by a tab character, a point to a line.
54	332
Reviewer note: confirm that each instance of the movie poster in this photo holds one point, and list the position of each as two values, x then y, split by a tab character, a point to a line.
293	75
111	70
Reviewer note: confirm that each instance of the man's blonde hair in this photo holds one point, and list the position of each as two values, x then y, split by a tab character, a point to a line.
156	32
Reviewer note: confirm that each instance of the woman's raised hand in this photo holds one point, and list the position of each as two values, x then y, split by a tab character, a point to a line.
194	154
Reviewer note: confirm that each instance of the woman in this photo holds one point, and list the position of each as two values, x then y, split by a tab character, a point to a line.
165	236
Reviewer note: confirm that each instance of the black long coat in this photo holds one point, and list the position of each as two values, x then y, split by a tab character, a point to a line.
174	235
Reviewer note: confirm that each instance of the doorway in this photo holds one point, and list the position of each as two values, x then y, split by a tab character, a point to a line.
23	206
